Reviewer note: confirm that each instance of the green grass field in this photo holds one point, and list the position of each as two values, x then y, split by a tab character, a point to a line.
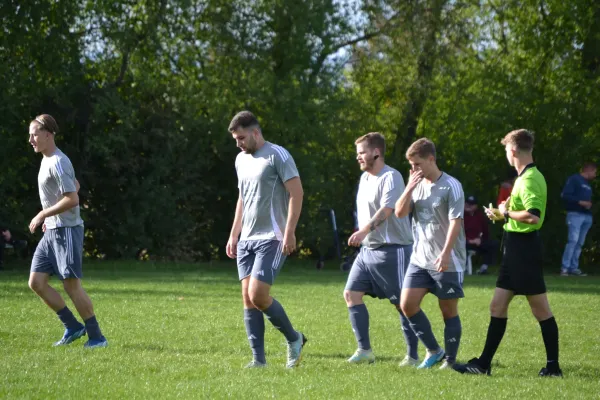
176	331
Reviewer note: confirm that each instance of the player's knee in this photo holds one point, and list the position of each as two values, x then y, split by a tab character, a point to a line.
259	300
409	309
541	313
348	298
353	298
498	309
36	284
72	286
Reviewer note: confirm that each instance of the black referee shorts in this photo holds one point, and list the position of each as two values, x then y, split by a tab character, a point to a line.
521	268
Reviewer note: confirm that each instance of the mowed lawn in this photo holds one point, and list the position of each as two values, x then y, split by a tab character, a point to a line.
176	331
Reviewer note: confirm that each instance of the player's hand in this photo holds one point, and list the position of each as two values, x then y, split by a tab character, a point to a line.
44	227
36	221
231	248
476	241
585	204
442	262
357	237
415	177
289	244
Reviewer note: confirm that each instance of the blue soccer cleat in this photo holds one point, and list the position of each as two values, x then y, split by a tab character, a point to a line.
70	336
95	343
432	359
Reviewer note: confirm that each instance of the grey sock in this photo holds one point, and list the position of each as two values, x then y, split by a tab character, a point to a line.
277	316
422	328
452	333
255	329
359	318
412	341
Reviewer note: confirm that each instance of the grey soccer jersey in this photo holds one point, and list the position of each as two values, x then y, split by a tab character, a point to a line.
379	191
434	205
261	178
57	177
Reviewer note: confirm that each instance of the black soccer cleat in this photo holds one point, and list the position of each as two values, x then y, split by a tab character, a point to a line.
472	368
557	373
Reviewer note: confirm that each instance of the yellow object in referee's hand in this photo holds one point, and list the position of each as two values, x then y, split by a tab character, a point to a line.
493	213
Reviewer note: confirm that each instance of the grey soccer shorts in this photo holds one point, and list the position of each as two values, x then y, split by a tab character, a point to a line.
379	272
261	259
444	285
60	253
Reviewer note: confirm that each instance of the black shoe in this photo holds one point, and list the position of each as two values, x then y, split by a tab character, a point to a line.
472	368
551	372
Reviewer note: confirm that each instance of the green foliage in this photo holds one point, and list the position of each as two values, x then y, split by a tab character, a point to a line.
143	92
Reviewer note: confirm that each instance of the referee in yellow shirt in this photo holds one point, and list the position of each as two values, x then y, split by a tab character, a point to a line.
521	271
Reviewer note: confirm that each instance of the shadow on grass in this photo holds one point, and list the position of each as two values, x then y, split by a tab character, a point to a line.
294	273
344	356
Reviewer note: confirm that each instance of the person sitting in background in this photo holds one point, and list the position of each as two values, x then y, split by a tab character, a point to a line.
477	234
7	238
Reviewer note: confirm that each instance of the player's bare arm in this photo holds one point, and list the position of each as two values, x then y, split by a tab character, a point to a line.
294	188
402	207
236	229
379	218
69	200
443	260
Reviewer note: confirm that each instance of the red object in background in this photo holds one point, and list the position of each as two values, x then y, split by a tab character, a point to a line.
504	192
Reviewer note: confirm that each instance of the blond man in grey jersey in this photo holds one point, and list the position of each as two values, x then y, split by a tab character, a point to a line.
60	252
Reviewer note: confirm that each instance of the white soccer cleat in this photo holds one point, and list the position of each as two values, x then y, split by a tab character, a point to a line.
362	356
409	362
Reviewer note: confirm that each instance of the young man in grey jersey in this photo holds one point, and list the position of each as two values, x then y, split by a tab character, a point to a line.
436	201
386	241
266	215
60	252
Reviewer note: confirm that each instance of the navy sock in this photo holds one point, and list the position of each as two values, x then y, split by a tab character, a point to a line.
255	329
452	333
422	328
93	329
277	316
412	341
68	319
359	318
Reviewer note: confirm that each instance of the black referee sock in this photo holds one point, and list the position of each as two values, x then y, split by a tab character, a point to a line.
494	337
550	335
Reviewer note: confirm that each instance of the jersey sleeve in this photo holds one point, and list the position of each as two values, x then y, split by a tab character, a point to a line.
391	190
456	200
532	195
284	164
64	174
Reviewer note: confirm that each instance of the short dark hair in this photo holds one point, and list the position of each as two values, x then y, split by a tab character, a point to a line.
243	119
374	140
588	165
521	138
422	148
46	122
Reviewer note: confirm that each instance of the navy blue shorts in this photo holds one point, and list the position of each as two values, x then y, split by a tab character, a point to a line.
444	285
380	272
261	259
60	253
